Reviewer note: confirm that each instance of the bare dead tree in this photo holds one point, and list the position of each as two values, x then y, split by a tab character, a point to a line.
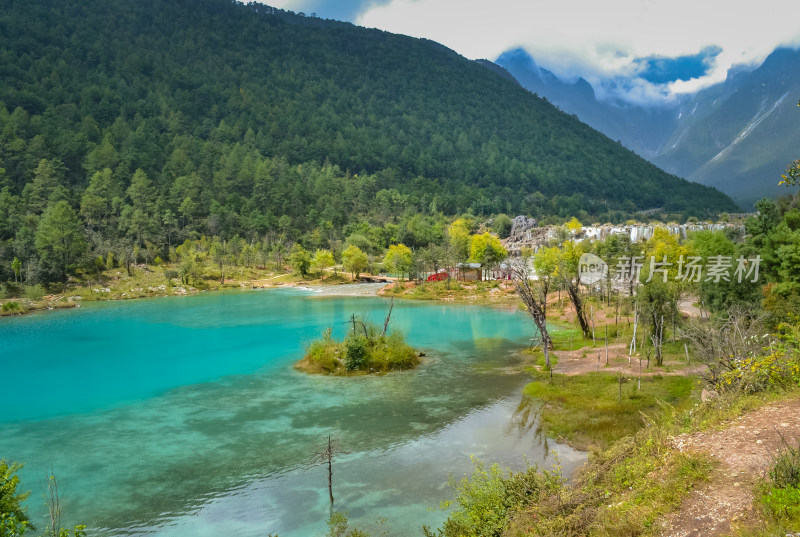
534	296
326	456
573	290
357	321
388	316
720	344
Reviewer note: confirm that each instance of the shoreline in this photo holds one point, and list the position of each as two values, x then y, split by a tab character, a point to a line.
148	283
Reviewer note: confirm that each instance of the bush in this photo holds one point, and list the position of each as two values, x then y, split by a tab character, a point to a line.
355	353
369	352
170	275
780	497
399	355
34	292
777	367
322	352
12	307
785	472
741	355
487	498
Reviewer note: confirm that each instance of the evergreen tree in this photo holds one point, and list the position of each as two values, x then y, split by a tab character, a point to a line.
60	241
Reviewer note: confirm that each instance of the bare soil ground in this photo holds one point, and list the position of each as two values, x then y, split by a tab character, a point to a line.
585	360
744	449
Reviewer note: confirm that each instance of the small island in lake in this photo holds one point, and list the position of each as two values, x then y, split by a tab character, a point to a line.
366	349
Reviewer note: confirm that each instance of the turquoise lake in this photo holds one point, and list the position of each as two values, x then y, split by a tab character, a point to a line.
184	417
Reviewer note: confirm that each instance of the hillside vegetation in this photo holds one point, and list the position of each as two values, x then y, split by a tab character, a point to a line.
161	120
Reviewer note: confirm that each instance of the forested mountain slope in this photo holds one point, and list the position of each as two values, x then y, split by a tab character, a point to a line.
245	119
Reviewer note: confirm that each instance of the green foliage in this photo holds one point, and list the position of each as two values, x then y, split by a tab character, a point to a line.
34	292
792	175
780	495
785	470
776	367
485	499
148	143
300	260
13	518
170	275
322	260
16	267
726	293
197	112
459	235
338	526
502	225
782	503
187	270
12	307
60	240
354	260
399	259
486	250
622	490
355	353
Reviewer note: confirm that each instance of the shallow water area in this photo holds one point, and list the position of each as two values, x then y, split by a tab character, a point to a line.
184	416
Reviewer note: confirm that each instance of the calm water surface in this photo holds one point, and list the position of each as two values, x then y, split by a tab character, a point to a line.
183	416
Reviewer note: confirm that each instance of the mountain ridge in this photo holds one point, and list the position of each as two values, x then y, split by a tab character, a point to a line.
689	137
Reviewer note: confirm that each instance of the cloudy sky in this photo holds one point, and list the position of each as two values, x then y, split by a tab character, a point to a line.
641	49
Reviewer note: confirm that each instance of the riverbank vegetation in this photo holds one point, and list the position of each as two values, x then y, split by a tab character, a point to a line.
640	475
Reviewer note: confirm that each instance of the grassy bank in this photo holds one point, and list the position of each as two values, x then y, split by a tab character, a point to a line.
487	292
592	410
651	447
629	487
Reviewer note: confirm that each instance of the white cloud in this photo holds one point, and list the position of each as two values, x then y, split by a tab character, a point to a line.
293	5
598	39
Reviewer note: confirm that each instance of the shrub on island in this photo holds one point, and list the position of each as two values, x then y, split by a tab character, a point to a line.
364	350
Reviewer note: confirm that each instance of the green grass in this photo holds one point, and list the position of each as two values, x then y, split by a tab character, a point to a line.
586	411
779	496
565	337
12	308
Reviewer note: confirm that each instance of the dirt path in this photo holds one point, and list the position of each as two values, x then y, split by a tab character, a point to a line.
744	450
687	307
584	360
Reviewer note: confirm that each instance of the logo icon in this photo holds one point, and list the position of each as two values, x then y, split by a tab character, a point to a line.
591	269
